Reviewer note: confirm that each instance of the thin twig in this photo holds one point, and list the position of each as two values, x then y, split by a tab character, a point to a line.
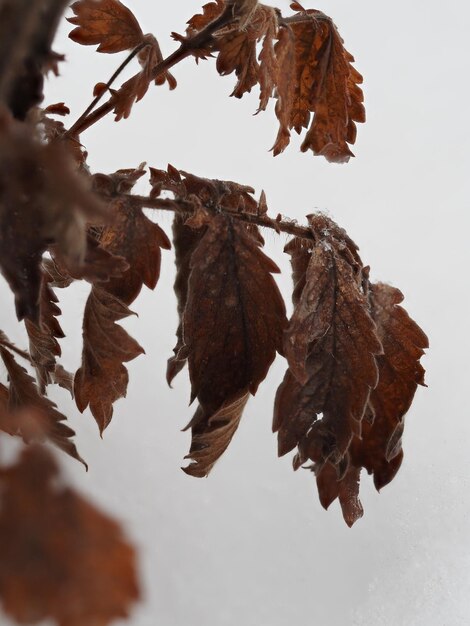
187	46
183	206
73	129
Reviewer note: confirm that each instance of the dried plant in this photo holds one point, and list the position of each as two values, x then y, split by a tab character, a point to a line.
352	351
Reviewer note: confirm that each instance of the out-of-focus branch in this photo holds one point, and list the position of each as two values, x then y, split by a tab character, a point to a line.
27	29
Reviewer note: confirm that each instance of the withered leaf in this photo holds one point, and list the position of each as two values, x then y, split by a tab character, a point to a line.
325	85
377	446
400	372
63	378
139	241
212	434
105	22
232	324
338	102
284	50
59	108
43	336
62	558
204	195
98	264
136	87
185	241
102	378
31	415
346	489
302	63
330	345
236	47
210	11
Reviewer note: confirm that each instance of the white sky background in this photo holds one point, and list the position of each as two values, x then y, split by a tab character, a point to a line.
251	545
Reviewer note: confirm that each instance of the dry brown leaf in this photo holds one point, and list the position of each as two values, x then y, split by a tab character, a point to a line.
330	345
30	415
59	108
326	85
44	347
43	336
302	63
136	87
210	11
105	22
204	195
98	265
345	489
139	241
236	46
212	434
102	378
62	558
185	241
379	449
377	446
232	324
285	59
400	372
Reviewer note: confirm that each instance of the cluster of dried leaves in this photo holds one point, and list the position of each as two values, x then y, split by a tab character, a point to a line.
299	60
352	351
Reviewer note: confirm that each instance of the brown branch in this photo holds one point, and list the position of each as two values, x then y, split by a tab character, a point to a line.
83	123
187	46
74	129
280	224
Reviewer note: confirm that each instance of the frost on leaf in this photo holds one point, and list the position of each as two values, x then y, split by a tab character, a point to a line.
232	327
62	558
102	378
28	414
346	489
